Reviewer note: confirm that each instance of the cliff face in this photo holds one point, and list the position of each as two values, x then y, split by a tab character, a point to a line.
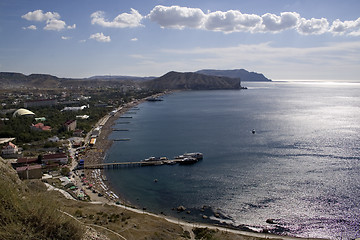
192	81
236	73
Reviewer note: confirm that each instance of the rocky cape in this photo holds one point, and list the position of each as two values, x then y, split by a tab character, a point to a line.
192	81
243	74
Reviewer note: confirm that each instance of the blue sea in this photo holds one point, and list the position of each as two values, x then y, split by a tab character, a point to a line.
301	168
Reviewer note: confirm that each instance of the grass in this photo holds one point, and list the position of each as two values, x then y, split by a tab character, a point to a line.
33	215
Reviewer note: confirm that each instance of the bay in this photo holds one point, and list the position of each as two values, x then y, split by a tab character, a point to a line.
300	168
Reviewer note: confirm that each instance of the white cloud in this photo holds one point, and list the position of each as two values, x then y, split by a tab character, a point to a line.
177	17
39	16
71	26
347	27
52	20
274	23
100	37
231	21
123	20
65	38
31	27
313	26
55	25
134	39
234	21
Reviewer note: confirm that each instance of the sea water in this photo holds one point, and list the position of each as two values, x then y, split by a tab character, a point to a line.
301	168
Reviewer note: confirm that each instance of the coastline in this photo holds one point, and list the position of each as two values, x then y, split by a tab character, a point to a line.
97	155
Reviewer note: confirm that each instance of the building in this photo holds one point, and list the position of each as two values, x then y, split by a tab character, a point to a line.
40	103
70	125
23	112
30	172
74	108
10	150
59	158
40	127
20	162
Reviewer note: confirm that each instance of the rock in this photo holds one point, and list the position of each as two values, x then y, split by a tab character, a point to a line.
270	221
181	208
188	212
205	217
217	215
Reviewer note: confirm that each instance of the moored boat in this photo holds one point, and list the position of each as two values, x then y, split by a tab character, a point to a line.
188	160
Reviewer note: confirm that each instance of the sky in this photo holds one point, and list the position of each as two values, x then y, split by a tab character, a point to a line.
283	39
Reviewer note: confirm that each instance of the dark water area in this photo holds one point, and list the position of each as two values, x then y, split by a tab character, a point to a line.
301	168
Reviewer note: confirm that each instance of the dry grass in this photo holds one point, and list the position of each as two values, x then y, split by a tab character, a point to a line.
33	215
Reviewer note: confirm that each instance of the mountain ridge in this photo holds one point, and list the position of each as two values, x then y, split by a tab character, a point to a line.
192	81
243	74
199	80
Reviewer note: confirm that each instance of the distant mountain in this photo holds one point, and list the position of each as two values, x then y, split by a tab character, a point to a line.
13	80
244	75
121	78
193	81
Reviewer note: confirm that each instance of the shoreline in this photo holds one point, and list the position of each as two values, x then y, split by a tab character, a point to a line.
97	155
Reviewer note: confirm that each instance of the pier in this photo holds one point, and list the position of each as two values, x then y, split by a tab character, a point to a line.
132	164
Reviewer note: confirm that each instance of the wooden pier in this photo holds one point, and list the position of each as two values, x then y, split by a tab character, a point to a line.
132	164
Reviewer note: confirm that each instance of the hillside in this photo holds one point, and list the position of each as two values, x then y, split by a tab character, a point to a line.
19	80
243	74
193	81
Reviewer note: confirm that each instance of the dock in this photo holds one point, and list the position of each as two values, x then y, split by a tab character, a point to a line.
131	164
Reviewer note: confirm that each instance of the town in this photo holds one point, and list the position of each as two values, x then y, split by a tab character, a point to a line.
43	133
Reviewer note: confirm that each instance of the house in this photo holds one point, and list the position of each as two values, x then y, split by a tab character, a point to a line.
59	158
70	125
10	150
40	127
20	162
30	172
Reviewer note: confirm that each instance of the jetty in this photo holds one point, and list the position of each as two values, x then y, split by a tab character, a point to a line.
131	164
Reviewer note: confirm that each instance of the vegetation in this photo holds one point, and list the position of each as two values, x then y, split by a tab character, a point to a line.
33	215
204	233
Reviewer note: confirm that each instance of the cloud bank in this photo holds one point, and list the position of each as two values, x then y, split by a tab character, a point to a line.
236	21
52	20
231	21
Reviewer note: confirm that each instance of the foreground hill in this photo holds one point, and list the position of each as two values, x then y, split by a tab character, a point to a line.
243	74
193	81
28	211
